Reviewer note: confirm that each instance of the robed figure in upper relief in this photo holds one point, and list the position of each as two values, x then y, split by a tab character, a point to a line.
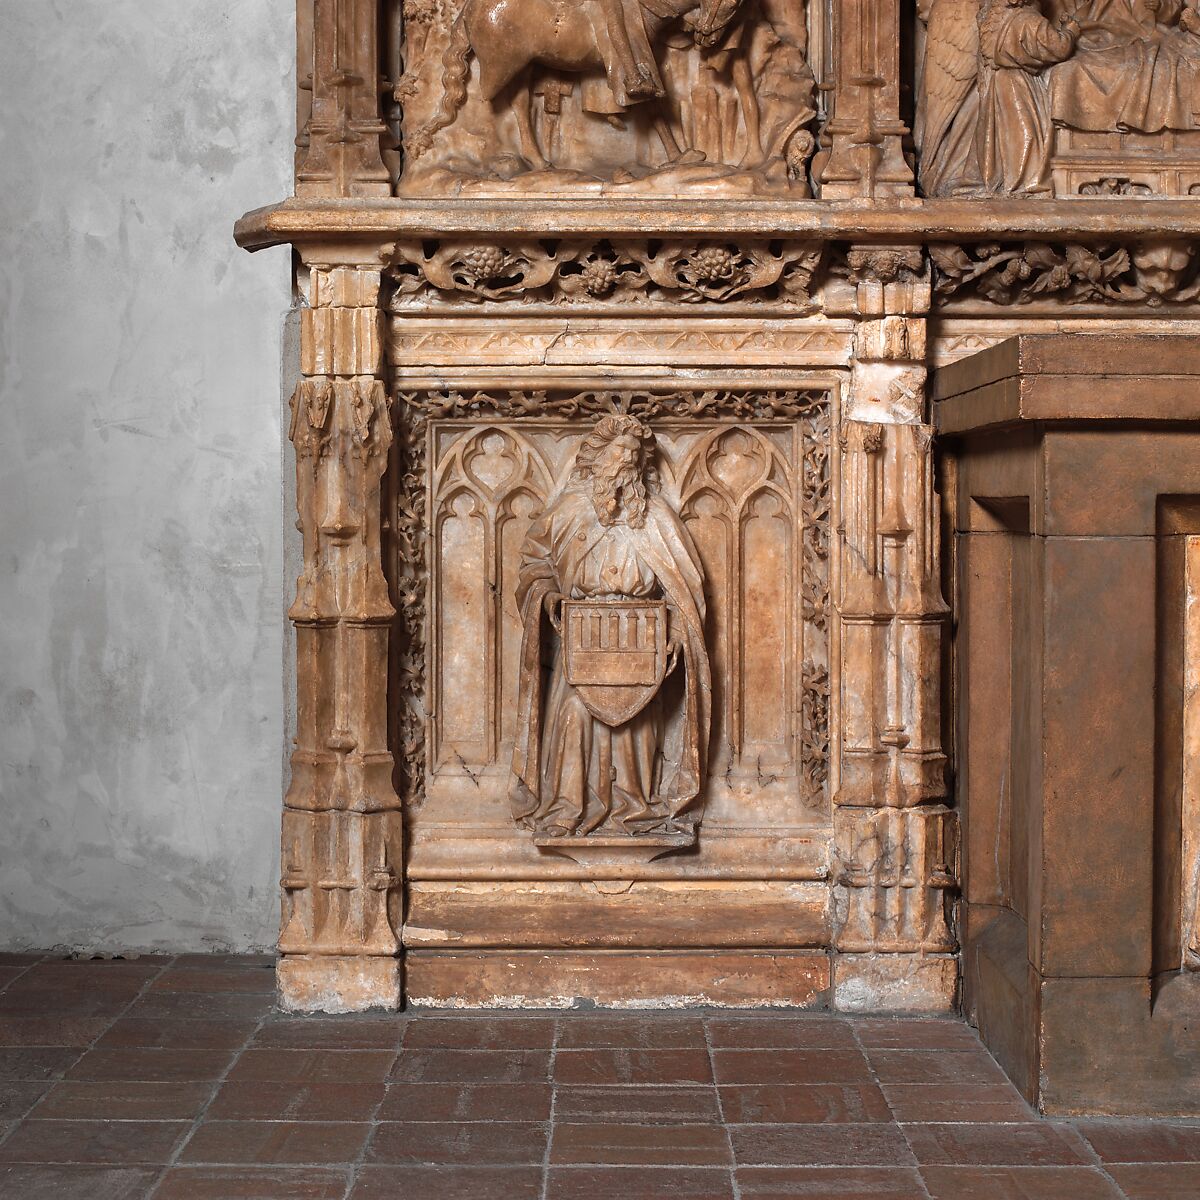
615	691
1137	68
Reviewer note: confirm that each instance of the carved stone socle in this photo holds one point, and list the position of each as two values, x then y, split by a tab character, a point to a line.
518	220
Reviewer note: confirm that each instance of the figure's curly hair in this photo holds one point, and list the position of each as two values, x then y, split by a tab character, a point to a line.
608	429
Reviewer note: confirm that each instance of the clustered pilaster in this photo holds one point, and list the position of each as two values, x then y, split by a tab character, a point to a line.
342	833
894	837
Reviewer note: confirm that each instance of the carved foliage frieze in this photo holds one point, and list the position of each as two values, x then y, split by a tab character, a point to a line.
1148	273
750	474
612	273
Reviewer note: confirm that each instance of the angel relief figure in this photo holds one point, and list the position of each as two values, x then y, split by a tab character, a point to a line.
584	86
984	120
614	694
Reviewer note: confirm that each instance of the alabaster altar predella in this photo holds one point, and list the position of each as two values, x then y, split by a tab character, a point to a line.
748	472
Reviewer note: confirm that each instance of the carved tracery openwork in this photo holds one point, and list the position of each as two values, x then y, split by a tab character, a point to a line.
732	484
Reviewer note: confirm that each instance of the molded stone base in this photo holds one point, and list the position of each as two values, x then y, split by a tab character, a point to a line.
617	979
895	983
322	983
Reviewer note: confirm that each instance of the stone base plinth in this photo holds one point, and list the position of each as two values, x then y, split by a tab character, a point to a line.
320	983
618	979
895	983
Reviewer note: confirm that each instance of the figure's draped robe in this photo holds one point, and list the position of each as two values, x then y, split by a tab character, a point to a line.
1129	72
1014	136
555	765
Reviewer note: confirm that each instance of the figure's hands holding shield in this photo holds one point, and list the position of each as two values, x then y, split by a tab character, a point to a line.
553	606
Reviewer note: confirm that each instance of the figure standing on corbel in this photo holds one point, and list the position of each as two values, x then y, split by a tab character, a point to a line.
1013	93
646	96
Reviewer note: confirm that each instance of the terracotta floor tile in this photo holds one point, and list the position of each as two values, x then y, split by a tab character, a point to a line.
114	977
979	1102
279	1143
210	962
51	1031
37	1063
1018	1183
466	1102
791	1066
215	979
126	1143
18	1002
935	1066
49	1182
17	1097
472	1066
175	1034
637	1105
489	1033
630	1031
803	1104
312	1066
601	1144
253	1183
604	1066
820	1145
213	1006
639	1183
262	1101
152	1064
462	1143
9	958
1018	1145
1142	1141
330	1033
101	1100
448	1183
916	1033
830	1183
1158	1181
765	1033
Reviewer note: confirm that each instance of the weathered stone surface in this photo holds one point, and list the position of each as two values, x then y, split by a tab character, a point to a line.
622	410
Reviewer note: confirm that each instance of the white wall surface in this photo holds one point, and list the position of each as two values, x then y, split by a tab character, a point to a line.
141	591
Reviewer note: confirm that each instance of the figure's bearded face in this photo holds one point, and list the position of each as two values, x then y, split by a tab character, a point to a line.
618	489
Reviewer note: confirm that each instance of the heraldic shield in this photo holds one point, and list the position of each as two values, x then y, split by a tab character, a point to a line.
615	654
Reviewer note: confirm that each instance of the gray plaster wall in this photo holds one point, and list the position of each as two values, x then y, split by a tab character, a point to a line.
141	575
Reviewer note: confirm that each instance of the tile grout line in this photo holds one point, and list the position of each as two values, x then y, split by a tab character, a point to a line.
217	1084
895	1122
90	1045
734	1186
1099	1162
372	1121
552	1120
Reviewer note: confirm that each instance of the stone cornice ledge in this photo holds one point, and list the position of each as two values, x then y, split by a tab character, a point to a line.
298	221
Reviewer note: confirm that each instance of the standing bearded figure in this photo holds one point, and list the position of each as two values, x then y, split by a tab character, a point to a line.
615	692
